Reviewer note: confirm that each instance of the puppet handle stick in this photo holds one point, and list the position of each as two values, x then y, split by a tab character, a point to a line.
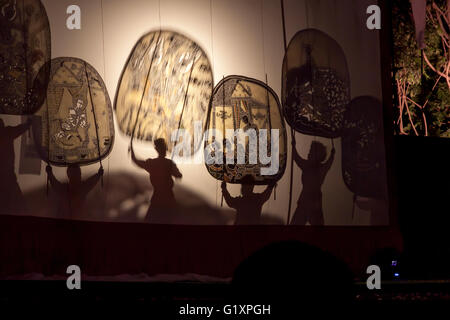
101	181
353	207
146	82
291	177
48	180
224	141
184	102
95	119
292	130
221	199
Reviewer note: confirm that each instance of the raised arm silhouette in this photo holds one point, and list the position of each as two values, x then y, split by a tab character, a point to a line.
72	195
249	205
314	171
11	197
161	171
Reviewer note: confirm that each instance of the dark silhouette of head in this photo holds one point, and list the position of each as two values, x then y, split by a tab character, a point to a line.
290	273
74	174
245	119
247	185
161	147
317	152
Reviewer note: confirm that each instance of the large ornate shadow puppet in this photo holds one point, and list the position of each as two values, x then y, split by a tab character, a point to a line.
315	84
163	93
165	86
75	129
247	107
24	55
315	95
251	110
363	157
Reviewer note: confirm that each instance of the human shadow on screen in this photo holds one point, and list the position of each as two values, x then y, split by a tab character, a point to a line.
292	276
161	171
11	197
71	195
125	197
314	170
129	197
248	205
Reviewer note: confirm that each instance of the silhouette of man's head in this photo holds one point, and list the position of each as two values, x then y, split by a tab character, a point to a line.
248	183
161	147
245	119
74	173
290	272
317	152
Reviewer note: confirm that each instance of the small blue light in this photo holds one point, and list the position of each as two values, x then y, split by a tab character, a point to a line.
396	275
394	263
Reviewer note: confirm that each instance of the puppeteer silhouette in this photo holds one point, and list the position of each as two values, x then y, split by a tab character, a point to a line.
11	197
161	171
72	195
249	205
314	171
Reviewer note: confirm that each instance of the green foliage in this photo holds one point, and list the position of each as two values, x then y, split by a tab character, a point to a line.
408	69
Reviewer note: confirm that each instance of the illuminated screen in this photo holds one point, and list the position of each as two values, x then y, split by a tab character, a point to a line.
192	114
